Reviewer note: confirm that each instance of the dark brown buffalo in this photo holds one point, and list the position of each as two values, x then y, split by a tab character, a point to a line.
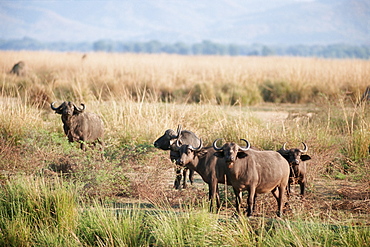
298	168
209	167
168	142
254	171
19	69
80	126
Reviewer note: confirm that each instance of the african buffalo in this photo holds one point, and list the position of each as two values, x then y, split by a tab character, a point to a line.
19	69
296	159
255	171
80	126
168	142
209	167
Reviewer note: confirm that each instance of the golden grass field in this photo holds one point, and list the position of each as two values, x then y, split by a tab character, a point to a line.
102	76
139	96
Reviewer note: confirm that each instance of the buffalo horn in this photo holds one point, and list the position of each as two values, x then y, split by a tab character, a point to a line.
248	145
198	148
80	109
305	148
283	148
54	108
178	131
178	143
215	145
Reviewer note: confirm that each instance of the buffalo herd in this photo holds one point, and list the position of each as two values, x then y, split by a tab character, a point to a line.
244	168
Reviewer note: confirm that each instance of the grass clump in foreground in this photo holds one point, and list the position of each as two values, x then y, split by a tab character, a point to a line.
39	213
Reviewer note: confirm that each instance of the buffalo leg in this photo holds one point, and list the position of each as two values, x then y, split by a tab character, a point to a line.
274	194
280	201
218	201
184	172
251	197
290	182
178	178
102	144
191	176
83	145
213	195
302	186
287	189
238	200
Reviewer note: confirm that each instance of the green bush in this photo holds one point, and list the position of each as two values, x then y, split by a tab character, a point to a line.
236	94
279	92
202	92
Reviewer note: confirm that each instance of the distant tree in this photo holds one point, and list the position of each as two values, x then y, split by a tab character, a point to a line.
267	51
103	45
234	50
170	49
182	48
222	49
153	46
139	47
197	49
210	48
206	47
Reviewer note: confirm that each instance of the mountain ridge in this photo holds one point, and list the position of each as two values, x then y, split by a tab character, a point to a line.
243	22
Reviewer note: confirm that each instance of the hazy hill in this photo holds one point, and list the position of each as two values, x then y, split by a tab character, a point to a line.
225	21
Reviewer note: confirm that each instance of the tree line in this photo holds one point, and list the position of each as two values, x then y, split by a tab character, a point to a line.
205	47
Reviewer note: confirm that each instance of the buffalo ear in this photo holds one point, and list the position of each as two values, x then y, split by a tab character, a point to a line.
242	155
59	111
219	154
76	111
305	157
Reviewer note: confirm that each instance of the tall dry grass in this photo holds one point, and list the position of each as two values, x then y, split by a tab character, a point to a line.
208	79
128	90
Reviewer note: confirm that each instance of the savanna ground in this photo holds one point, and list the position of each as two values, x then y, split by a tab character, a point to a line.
266	100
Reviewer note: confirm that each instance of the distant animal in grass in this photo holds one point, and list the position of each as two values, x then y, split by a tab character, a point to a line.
19	69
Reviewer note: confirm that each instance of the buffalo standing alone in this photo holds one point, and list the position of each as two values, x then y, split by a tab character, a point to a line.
80	126
19	69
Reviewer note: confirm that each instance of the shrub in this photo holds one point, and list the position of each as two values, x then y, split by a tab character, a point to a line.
202	92
279	92
237	94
